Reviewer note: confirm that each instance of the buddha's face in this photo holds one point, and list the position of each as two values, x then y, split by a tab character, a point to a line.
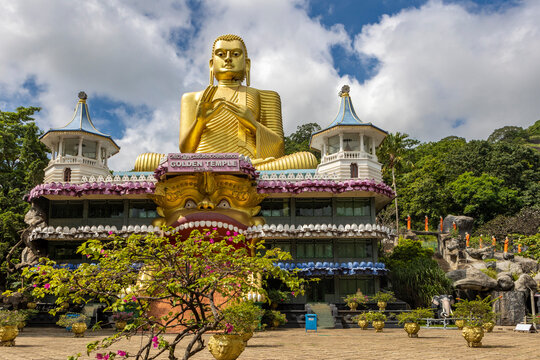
229	61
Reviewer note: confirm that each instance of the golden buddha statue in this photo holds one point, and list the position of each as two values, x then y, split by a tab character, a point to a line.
233	118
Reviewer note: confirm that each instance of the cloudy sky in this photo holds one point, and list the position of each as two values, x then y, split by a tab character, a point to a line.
427	68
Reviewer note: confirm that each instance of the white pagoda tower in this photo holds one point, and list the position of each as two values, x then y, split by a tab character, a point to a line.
78	149
348	145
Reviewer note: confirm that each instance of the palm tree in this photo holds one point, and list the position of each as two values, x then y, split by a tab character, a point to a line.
391	154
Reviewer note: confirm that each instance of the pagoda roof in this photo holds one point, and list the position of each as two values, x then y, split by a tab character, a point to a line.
81	122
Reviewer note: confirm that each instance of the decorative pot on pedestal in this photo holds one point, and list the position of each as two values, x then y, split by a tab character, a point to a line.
363	324
378	325
488	326
8	333
78	329
382	305
460	324
120	325
412	329
246	336
226	346
352	305
473	335
31	305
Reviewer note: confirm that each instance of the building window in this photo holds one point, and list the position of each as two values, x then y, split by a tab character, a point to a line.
354	170
71	147
350	249
89	149
106	209
275	207
353	207
314	250
351	286
142	209
284	246
66	209
351	142
67	174
333	144
313	207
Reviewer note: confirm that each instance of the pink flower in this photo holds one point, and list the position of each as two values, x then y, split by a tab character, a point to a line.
229	328
47	286
211	241
110	232
208	233
99	356
102	251
235	233
155	341
125	300
106	357
134	298
34	285
121	353
228	233
292	293
87	255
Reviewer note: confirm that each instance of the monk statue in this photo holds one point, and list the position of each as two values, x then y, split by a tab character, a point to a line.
233	118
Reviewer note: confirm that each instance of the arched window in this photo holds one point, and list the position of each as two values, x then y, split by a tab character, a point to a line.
67	174
354	170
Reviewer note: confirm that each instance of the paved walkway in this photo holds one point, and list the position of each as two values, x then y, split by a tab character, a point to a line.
295	344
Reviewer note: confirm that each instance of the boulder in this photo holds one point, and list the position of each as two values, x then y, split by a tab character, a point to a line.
481	254
525	283
511	306
505	281
527	265
463	223
410	235
509	266
480	265
456	275
475	280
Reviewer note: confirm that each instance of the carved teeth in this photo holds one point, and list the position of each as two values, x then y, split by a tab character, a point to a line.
220	224
208	223
191	224
230	227
214	223
235	229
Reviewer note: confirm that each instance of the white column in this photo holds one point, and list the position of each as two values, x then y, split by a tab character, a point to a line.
362	143
324	149
60	145
98	151
373	151
340	142
79	153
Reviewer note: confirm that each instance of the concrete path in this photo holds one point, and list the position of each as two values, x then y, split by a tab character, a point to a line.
295	344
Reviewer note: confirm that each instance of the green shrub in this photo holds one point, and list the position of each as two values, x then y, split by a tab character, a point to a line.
492	273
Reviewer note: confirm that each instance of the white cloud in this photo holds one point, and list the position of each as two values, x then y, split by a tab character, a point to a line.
443	63
438	63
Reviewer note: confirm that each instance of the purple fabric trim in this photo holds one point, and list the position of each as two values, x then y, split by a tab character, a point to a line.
323	185
108	188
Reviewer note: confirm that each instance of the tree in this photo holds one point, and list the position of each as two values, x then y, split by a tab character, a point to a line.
196	278
391	154
299	140
482	197
22	160
509	133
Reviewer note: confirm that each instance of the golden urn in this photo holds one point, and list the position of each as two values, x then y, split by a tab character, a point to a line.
363	324
226	346
120	325
460	324
412	329
246	336
473	335
378	325
381	305
8	333
78	329
488	326
352	305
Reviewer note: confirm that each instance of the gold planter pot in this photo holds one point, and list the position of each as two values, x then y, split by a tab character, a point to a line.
226	346
488	326
78	329
352	305
473	335
363	324
412	329
378	325
120	325
460	324
31	305
382	305
246	336
8	333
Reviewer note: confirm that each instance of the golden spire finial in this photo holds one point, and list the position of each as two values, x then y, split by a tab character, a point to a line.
345	89
82	97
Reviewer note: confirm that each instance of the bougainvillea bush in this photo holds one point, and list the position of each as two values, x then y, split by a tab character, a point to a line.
196	278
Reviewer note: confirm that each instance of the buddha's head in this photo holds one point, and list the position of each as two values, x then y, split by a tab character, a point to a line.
229	59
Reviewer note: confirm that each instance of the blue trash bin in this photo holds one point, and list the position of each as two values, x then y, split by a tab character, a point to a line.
311	322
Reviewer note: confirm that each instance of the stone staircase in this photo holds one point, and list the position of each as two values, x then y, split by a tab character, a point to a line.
325	320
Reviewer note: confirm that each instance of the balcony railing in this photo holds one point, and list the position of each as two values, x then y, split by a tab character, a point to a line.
349	155
68	159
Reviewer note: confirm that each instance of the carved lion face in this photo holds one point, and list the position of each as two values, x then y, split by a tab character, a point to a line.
207	201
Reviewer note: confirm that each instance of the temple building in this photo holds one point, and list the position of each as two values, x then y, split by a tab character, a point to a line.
324	217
